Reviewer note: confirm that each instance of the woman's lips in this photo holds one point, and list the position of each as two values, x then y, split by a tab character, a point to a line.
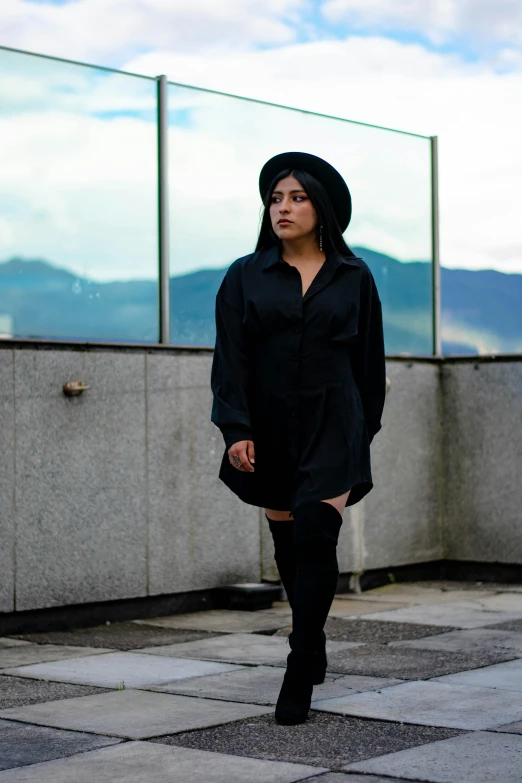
283	222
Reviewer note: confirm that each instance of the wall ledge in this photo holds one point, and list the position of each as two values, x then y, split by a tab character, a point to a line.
176	350
60	618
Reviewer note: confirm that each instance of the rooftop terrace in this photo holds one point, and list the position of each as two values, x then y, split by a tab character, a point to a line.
424	684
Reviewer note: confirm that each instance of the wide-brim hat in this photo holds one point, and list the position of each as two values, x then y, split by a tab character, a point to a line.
323	171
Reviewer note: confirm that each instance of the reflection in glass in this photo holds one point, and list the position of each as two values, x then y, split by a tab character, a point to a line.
481	312
78	202
217	146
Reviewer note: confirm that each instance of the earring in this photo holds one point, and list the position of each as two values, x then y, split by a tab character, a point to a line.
320	237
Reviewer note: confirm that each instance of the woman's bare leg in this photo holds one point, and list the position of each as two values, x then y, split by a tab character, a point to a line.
278	516
339	502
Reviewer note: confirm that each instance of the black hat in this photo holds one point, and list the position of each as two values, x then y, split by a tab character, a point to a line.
329	178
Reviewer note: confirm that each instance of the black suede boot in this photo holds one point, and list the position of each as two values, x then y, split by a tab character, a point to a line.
321	663
316	532
283	537
295	695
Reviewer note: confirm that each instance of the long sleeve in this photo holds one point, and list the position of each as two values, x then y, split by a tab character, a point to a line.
229	375
369	364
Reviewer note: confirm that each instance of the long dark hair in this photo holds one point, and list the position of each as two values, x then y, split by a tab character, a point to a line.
332	237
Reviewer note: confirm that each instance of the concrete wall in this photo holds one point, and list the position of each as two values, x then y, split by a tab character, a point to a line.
400	518
482	426
114	494
7	482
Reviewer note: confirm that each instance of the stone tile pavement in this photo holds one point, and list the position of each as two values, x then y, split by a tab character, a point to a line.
424	684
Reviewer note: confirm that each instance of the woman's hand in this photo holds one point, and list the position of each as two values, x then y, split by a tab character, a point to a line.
242	455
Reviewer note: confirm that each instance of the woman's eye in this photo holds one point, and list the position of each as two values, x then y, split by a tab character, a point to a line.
300	198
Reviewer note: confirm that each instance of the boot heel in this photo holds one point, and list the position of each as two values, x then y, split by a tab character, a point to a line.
295	696
321	663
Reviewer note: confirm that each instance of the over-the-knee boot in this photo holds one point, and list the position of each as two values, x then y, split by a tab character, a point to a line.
283	537
316	532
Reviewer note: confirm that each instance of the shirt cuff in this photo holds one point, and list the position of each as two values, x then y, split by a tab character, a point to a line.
375	429
234	433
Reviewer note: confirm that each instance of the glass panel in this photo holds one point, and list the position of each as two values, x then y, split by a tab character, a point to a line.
481	312
78	202
217	146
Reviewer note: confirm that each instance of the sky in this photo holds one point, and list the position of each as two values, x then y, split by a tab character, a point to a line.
451	68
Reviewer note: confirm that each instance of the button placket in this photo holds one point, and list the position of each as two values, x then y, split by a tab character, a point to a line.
296	332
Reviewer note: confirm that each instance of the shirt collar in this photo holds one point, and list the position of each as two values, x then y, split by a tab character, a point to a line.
272	257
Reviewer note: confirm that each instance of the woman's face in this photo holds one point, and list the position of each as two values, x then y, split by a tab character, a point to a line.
292	213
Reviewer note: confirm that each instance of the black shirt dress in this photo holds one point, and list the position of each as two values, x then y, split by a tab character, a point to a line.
303	377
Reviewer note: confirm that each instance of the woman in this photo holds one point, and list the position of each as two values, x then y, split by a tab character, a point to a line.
298	379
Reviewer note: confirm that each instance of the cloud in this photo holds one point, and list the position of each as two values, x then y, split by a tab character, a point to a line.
215	164
481	21
474	109
108	31
78	184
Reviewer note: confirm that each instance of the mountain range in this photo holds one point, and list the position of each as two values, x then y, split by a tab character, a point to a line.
481	310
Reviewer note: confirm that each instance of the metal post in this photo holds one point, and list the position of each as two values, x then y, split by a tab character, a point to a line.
435	247
163	212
